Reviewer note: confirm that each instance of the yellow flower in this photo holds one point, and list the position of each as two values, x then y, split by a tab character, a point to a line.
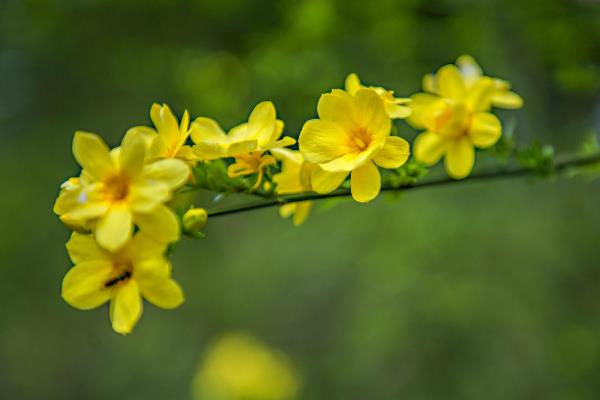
395	107
293	178
352	135
251	163
455	121
168	138
118	190
238	367
471	72
137	270
262	132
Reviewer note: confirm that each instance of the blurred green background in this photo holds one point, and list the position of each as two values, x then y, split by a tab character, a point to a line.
475	291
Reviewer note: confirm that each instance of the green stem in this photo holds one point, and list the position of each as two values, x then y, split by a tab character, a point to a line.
501	174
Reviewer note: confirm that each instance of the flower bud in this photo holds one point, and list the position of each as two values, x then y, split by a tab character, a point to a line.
194	219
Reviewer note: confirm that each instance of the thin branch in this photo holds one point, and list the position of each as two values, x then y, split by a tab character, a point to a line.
501	174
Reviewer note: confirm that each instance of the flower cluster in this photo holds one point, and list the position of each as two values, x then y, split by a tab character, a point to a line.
121	209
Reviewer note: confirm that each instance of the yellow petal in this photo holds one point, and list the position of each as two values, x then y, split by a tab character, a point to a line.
147	133
126	307
132	154
146	197
429	84
394	153
82	248
185	122
460	157
207	130
507	99
322	141
365	183
93	155
114	229
242	147
143	247
429	147
161	224
324	182
302	212
287	210
83	287
468	66
351	161
419	106
485	130
261	122
352	84
337	106
371	113
209	151
165	122
156	285
450	83
286	141
480	94
173	172
396	111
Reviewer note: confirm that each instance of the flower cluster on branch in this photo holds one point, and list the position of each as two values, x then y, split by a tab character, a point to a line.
120	207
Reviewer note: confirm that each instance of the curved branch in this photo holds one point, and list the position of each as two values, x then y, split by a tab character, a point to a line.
502	174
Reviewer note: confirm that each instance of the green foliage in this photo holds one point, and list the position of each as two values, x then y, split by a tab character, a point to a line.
212	175
408	174
537	158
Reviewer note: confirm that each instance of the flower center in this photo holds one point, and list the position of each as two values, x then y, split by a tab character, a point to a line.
360	140
122	272
116	188
450	119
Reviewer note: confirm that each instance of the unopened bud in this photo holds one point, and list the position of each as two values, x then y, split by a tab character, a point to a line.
194	219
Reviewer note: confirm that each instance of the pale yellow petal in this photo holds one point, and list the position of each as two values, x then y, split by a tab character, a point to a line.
419	106
161	224
284	142
397	111
210	151
173	172
450	83
156	284
82	248
479	96
365	183
126	307
429	84
485	130
460	158
352	84
93	155
507	99
114	229
351	161
394	153
429	147
302	212
322	141
324	182
83	287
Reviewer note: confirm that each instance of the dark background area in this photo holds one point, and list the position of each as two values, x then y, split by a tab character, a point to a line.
475	291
